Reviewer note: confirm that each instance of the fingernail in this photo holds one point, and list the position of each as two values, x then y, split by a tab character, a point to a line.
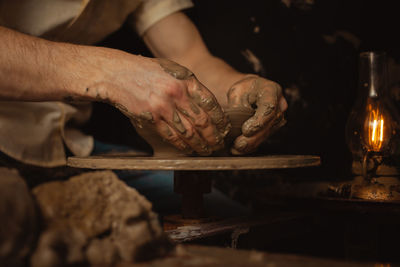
218	146
227	129
219	139
183	146
205	151
235	152
241	145
188	150
250	127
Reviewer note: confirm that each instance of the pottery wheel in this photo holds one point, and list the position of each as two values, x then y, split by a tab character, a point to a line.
192	175
126	162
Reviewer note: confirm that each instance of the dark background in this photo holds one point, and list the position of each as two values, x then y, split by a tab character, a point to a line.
309	47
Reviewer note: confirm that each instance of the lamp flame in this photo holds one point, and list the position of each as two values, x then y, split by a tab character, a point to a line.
376	128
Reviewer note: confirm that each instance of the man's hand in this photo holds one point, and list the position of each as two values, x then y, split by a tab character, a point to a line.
266	97
168	98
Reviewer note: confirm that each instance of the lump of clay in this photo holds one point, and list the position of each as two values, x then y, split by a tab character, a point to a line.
96	218
18	219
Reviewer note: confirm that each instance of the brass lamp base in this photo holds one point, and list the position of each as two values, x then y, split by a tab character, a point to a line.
384	185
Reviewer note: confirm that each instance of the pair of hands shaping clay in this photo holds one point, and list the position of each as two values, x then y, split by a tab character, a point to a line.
199	126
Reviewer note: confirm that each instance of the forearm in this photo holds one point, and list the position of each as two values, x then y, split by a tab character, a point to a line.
34	69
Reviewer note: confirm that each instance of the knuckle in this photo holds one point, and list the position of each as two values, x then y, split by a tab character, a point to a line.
283	104
201	120
153	96
174	90
196	86
251	128
158	106
232	92
245	82
208	103
276	86
190	131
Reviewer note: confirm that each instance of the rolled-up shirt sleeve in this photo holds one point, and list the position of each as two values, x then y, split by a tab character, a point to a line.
151	11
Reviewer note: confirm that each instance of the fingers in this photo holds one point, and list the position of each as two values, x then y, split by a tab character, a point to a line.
239	94
207	102
201	122
177	128
245	145
190	121
188	133
195	118
266	96
254	91
170	135
283	105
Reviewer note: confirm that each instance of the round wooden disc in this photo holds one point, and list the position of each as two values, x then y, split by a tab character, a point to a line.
119	162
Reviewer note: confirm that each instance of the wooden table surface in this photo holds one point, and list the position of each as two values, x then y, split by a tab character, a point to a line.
207	256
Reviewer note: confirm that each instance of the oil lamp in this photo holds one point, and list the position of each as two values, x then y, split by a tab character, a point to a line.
372	130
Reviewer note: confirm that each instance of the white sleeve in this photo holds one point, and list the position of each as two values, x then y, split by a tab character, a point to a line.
151	11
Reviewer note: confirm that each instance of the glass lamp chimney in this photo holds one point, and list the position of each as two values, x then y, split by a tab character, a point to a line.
372	127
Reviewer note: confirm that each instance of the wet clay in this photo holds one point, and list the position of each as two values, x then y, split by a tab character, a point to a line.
217	118
268	109
135	120
258	121
184	112
147	116
241	145
178	123
205	151
263	109
174	69
245	99
194	108
218	138
237	116
204	99
209	104
168	132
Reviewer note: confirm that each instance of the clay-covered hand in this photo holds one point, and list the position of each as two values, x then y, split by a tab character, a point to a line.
168	98
266	98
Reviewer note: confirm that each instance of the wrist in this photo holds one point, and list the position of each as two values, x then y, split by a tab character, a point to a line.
99	74
85	72
243	77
